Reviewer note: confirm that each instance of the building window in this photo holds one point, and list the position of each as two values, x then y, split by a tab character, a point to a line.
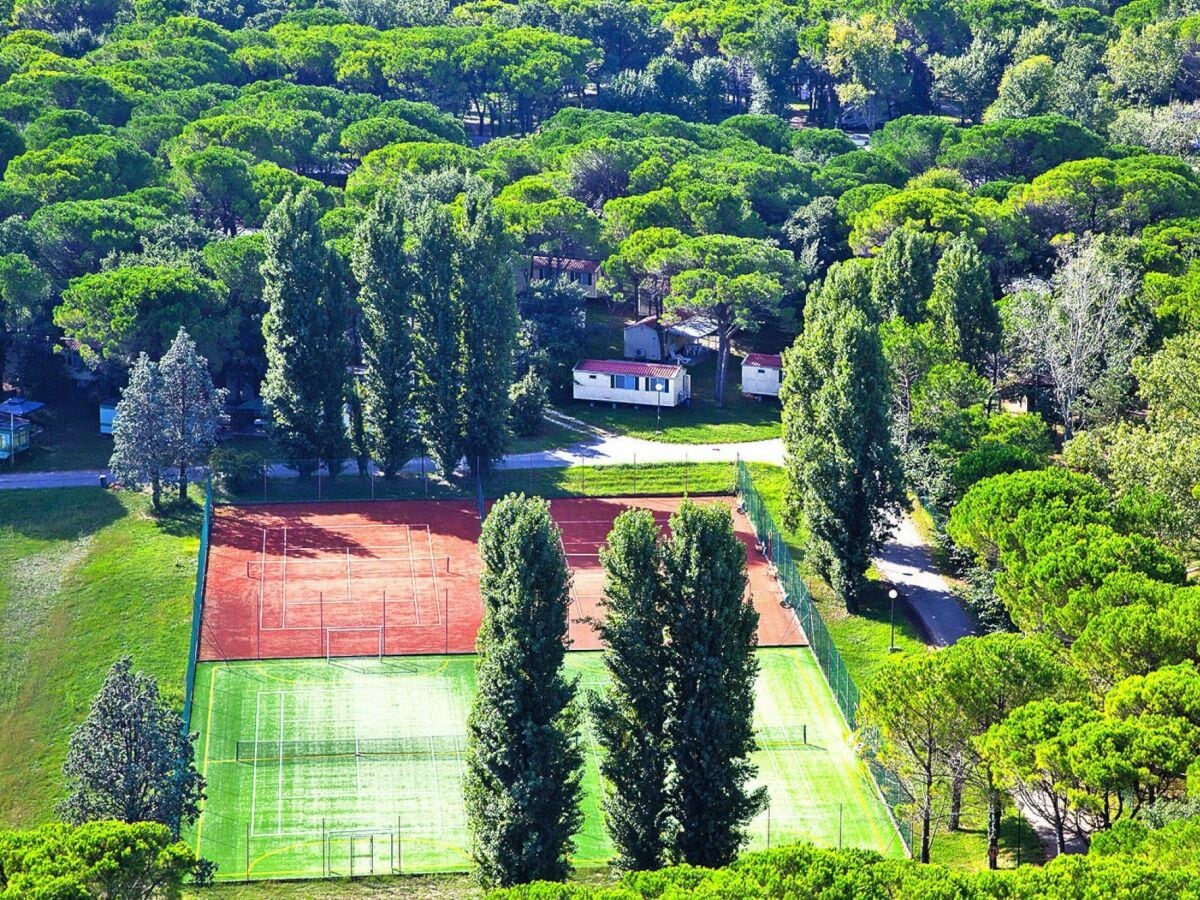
591	377
661	385
762	371
625	382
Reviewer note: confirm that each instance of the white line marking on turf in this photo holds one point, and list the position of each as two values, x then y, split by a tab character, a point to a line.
279	809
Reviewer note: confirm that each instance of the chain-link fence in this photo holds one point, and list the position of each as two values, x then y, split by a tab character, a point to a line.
197	605
832	665
668	471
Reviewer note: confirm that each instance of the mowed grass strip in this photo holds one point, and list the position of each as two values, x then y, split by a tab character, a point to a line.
86	576
273	817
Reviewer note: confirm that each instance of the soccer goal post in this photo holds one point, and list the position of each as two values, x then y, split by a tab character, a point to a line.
344	641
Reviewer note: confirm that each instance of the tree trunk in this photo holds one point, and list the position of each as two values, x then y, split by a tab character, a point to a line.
722	364
183	482
956	791
156	494
926	811
993	825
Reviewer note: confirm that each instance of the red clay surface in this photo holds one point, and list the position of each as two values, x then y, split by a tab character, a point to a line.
402	577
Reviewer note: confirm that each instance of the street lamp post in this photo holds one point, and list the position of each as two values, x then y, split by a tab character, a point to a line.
892	595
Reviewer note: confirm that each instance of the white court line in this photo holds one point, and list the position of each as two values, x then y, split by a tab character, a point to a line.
279	807
434	570
412	573
254	773
357	760
262	578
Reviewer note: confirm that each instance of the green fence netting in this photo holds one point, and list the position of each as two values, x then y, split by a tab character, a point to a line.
197	606
796	594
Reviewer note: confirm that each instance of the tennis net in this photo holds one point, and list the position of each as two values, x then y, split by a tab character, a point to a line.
431	747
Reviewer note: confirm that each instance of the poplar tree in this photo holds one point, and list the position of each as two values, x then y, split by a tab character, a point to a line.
902	277
304	330
844	477
489	308
140	448
711	668
438	338
388	284
962	304
192	406
631	716
523	767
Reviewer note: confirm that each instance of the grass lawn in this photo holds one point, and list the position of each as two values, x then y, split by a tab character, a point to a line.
704	422
382	792
862	638
614	481
966	850
70	437
85	577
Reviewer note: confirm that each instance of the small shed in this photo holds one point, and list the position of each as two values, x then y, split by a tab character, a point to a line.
583	272
16	434
652	339
108	416
638	383
762	374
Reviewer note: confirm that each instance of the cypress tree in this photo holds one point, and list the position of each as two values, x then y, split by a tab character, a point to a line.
843	473
524	761
304	330
962	304
438	339
711	632
631	717
489	305
382	268
140	448
902	278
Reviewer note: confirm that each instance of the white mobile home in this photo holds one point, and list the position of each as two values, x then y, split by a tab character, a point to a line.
762	373
583	272
640	383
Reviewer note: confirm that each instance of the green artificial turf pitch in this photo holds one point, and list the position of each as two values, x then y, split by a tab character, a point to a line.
383	791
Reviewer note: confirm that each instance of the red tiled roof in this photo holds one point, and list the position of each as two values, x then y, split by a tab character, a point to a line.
569	265
621	367
764	360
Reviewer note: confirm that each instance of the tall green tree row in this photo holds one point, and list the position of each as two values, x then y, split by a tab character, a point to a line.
305	333
524	760
677	722
844	478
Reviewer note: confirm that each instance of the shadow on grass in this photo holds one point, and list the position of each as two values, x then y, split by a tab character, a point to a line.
59	514
180	518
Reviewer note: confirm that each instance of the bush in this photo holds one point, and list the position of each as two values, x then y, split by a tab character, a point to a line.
529	399
236	471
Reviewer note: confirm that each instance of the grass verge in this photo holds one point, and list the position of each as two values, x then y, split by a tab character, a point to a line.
86	576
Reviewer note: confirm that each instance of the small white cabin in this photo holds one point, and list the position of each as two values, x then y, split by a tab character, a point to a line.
652	339
762	373
583	272
639	383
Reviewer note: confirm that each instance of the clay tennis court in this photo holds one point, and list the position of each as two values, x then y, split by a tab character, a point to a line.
396	578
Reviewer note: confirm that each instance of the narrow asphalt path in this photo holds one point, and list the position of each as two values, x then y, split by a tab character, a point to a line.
908	564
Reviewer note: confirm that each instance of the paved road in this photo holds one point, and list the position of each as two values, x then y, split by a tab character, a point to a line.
907	563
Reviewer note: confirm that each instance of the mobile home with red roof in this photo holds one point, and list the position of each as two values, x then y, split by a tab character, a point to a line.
639	383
